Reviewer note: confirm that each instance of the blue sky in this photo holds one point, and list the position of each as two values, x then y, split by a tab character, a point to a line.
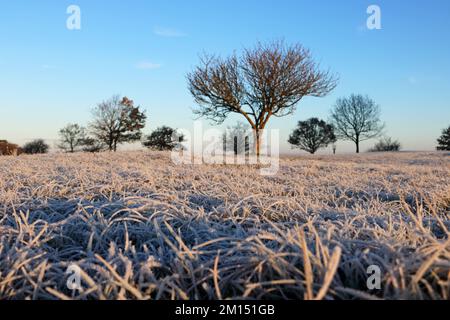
50	76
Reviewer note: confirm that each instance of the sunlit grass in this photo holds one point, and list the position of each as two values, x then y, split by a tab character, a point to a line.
142	228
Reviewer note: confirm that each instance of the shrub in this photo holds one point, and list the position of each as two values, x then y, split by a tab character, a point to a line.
312	134
386	145
35	147
164	138
92	145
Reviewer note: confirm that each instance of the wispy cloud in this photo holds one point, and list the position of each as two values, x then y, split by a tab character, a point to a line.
168	32
147	65
47	67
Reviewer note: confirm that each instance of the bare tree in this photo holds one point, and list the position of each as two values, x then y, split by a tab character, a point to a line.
356	118
72	136
269	80
117	121
312	134
386	144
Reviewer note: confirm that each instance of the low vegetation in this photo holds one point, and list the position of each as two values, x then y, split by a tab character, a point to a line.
37	146
386	145
140	227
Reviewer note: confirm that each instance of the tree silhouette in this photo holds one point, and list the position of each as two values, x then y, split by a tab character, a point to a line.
117	121
164	138
72	136
93	145
356	118
444	140
386	145
35	147
269	80
312	134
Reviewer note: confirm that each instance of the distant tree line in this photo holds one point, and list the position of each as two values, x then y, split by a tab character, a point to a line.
269	80
356	118
116	121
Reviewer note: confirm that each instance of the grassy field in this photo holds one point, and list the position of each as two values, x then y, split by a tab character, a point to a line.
140	227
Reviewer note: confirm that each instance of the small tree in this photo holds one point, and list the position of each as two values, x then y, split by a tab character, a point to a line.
237	139
72	137
444	140
356	118
312	134
164	138
92	145
386	145
35	147
117	121
269	80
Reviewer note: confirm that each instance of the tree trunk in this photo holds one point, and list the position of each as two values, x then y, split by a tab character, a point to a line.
357	145
258	142
110	145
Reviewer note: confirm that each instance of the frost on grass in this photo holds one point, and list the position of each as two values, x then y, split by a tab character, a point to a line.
140	227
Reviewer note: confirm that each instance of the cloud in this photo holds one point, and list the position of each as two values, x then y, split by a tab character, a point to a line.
168	32
47	67
146	65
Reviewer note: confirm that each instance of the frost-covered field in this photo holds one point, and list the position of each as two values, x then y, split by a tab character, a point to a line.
140	227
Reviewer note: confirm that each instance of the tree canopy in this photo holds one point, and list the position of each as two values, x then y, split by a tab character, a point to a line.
164	138
72	137
36	147
312	134
444	140
117	121
356	118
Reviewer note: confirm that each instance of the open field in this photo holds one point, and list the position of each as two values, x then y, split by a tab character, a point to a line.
142	228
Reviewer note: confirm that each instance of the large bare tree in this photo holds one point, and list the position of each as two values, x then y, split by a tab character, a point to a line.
356	118
265	81
116	121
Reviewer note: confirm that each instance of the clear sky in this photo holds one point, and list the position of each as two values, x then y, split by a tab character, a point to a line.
50	76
